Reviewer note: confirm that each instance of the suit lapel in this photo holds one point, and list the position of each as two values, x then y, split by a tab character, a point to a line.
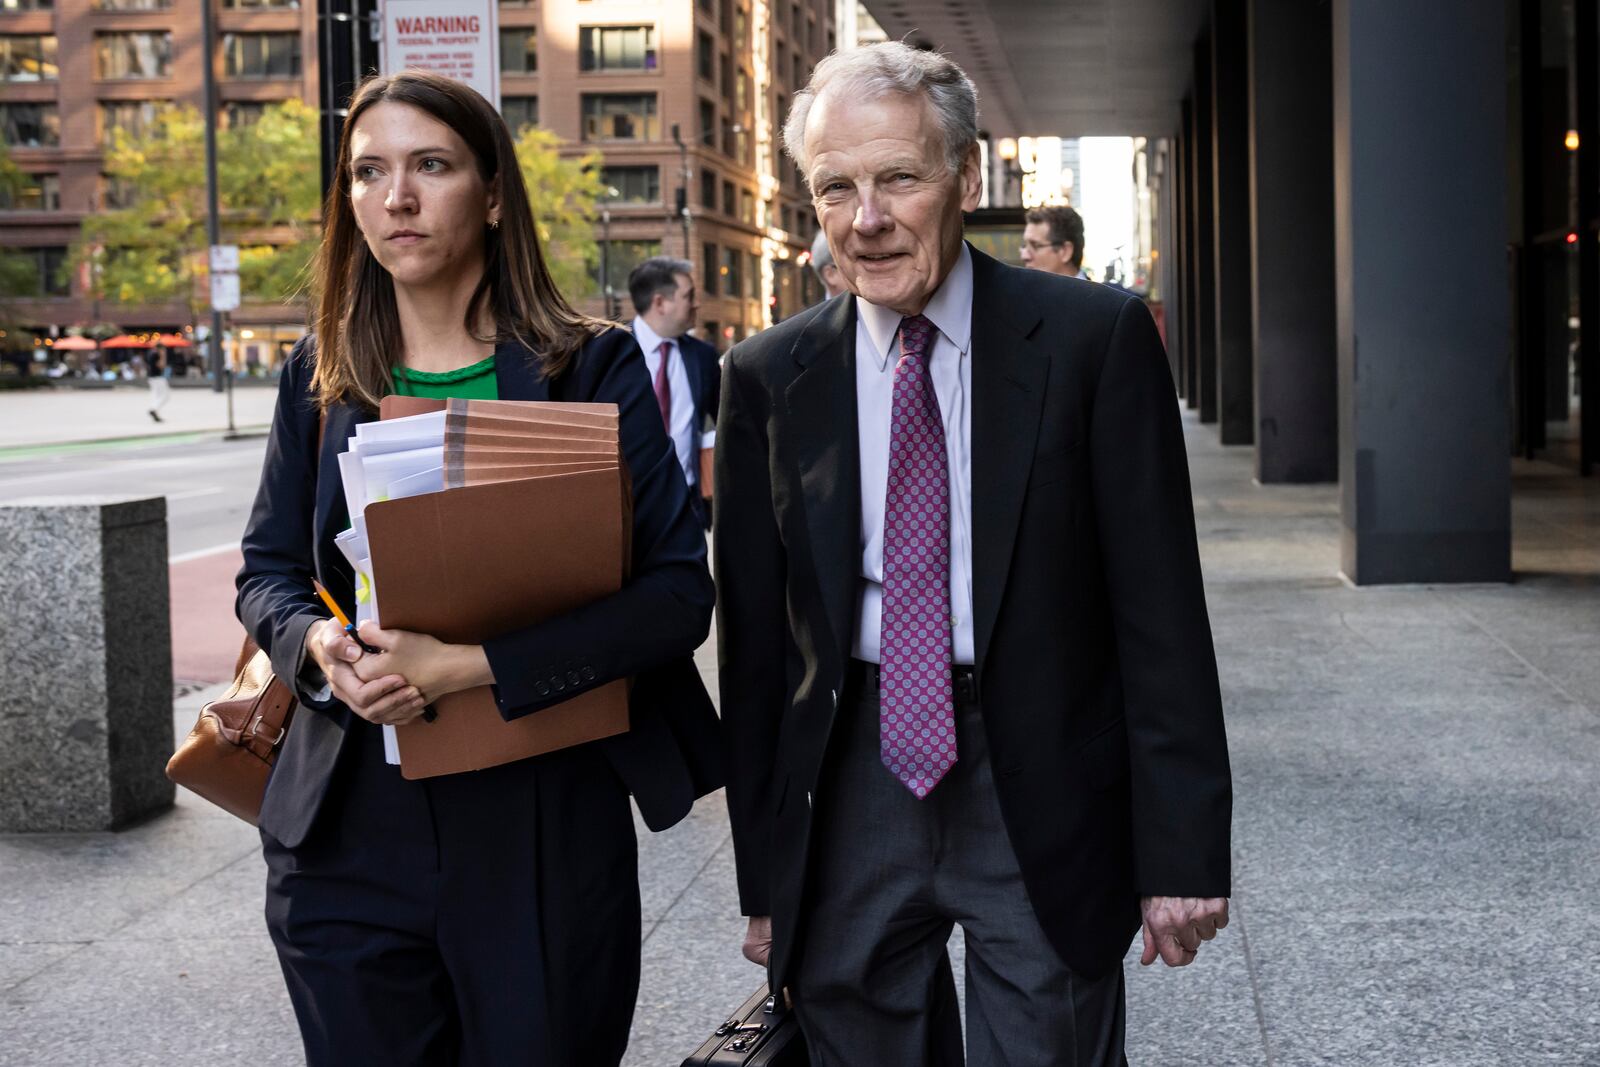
822	419
1009	369
517	375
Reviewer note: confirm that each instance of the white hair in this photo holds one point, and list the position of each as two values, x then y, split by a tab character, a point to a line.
891	67
821	254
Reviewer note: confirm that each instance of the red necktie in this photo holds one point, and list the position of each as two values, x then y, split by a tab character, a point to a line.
664	387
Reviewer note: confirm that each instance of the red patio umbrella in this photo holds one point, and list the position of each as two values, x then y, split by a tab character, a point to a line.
174	340
73	344
123	340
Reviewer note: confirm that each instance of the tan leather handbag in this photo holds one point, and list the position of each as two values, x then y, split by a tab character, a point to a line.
228	756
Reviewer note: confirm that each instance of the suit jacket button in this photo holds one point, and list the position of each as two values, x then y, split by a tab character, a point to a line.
558	684
541	688
588	674
574	678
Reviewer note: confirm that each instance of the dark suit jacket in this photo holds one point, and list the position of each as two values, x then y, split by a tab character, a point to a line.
1094	656
705	382
647	631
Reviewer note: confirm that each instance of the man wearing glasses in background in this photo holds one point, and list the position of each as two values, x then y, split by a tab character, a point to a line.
1053	241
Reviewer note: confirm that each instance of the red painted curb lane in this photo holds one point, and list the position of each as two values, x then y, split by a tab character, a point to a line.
205	635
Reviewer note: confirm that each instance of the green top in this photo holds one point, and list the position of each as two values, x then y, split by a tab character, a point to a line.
476	382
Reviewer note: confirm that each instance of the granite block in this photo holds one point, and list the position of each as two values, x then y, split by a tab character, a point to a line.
86	690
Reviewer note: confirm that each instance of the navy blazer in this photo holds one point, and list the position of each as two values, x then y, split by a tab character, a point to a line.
701	363
673	752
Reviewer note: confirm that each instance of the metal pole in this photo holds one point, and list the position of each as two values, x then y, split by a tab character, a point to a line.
683	188
213	237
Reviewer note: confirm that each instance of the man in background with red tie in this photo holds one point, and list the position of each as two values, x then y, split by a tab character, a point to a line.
966	667
683	369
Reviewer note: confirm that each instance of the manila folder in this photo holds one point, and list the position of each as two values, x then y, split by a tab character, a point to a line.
469	564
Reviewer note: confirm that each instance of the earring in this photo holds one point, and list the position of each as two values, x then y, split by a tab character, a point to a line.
494	224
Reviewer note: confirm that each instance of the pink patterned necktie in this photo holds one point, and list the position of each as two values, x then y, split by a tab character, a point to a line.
916	700
664	387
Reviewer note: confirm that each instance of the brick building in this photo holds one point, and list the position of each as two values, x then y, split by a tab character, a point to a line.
620	76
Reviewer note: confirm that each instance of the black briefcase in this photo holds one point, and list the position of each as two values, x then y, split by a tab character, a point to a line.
762	1033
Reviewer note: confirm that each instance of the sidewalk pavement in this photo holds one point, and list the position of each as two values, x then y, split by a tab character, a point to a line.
1416	836
37	418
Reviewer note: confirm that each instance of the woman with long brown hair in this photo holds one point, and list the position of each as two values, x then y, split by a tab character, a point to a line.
489	917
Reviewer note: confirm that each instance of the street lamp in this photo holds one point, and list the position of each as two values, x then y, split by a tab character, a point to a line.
683	187
608	194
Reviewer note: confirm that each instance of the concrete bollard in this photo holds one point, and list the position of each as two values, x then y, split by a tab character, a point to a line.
85	662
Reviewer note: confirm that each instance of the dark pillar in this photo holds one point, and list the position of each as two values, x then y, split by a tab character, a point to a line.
1291	220
1205	295
1230	107
1587	70
1175	277
1425	483
1191	269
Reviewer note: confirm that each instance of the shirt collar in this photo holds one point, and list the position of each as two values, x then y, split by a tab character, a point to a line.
950	311
649	340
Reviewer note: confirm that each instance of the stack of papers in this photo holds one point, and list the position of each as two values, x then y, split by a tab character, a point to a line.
471	519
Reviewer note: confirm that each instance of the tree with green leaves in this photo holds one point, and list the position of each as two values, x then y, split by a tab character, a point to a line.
563	193
151	249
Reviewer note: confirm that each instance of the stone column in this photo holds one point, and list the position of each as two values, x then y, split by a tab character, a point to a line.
1424	436
1291	202
1205	292
1230	106
86	671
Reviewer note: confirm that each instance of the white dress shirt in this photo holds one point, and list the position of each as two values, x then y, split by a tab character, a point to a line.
877	348
683	428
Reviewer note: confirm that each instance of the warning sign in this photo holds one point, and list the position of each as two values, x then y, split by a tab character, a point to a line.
456	38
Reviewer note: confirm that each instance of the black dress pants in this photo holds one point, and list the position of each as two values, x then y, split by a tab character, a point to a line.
891	875
486	918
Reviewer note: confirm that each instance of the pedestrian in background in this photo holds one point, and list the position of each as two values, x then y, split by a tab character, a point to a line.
683	369
490	917
827	270
1052	241
158	374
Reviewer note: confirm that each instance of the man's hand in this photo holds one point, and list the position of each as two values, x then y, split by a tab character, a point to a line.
1175	926
758	940
378	698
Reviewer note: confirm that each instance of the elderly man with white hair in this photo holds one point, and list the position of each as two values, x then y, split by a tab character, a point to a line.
966	666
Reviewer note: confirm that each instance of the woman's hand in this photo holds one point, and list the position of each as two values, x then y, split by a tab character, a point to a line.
385	698
428	665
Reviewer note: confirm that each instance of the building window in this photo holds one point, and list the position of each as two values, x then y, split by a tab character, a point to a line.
741	91
30	125
706	56
714	335
28	57
747	207
135	117
284	5
519	111
634	185
730	205
798	21
36	192
127	5
780	66
799	81
261	55
519	51
617	48
237	114
25	5
49	279
741	28
708	189
117	193
620	257
752	276
132	55
727	78
619	116
708	269
708	123
730	272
